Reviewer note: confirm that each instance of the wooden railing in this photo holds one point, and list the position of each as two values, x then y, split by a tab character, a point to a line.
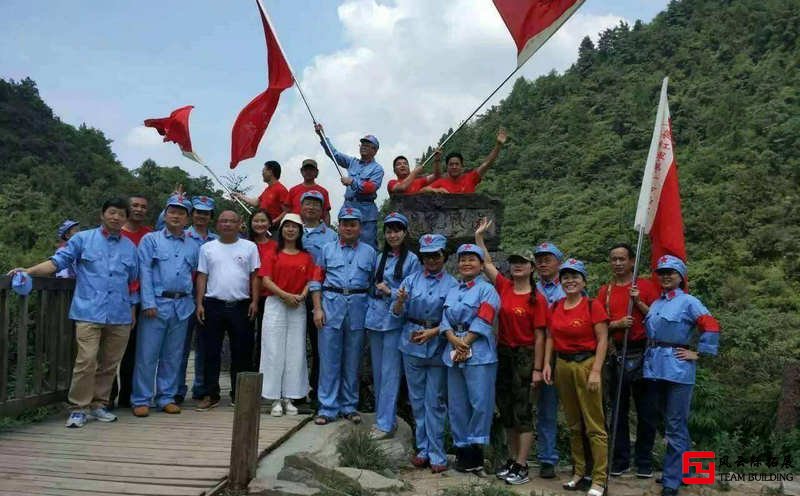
37	345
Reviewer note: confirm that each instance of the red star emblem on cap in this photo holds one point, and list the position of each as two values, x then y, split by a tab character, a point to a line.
348	210
663	259
203	199
543	245
467	246
573	261
427	240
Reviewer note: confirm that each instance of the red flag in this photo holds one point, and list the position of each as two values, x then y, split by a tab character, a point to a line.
659	208
174	128
533	22
254	118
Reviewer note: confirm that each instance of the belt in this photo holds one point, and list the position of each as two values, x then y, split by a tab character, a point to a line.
173	294
345	291
654	343
579	356
635	346
427	324
230	304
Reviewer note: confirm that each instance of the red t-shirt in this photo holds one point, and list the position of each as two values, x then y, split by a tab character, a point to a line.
136	236
573	329
518	317
465	183
413	188
273	198
266	252
291	273
293	200
617	307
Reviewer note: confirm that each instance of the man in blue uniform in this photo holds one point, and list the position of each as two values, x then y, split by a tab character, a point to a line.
364	178
167	261
199	232
547	259
340	304
103	308
316	234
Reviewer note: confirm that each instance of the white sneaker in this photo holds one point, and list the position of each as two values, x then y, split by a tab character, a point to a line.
289	408
379	435
76	419
277	409
102	414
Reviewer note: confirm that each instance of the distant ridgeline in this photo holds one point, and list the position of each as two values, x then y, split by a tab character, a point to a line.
573	166
50	171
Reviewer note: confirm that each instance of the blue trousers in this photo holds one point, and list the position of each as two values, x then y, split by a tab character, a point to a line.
159	349
427	391
198	390
677	403
387	368
546	429
470	403
340	352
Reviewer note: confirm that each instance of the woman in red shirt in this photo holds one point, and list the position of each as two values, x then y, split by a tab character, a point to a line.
578	332
520	353
283	342
260	224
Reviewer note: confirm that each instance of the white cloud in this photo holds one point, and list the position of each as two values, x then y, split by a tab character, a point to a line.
143	137
411	70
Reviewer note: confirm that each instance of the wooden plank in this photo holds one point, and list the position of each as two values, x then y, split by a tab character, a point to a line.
64	345
22	348
244	440
15	407
39	333
93	485
51	342
99	468
141	455
208	446
4	345
136	479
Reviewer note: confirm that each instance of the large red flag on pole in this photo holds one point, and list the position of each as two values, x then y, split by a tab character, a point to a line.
253	120
174	128
659	209
533	22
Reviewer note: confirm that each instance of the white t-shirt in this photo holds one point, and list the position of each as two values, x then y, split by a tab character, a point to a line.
228	266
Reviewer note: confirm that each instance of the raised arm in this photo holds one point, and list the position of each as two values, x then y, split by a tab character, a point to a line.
488	266
499	142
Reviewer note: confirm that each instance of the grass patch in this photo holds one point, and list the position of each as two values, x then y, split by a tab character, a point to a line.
356	449
30	417
478	490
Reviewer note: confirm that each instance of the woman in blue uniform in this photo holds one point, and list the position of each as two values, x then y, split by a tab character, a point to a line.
394	264
671	361
420	301
471	357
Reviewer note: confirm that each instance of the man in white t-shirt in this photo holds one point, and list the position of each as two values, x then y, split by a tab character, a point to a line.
227	299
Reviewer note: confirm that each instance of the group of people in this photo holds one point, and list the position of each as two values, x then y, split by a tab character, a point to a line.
517	342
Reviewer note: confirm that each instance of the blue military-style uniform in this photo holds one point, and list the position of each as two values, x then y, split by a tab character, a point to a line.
361	193
167	263
348	277
314	238
547	400
471	307
200	203
424	369
670	324
384	332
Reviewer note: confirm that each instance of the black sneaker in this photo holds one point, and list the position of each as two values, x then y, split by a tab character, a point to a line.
505	469
517	475
474	458
617	471
669	492
644	473
547	471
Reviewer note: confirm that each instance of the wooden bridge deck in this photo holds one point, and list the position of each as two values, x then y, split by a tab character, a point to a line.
185	454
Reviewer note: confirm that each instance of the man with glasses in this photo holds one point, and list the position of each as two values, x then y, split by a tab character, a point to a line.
364	177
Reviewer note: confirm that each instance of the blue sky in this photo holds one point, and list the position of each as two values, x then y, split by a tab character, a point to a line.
405	70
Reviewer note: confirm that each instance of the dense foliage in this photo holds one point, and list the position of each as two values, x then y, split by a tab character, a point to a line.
51	171
572	172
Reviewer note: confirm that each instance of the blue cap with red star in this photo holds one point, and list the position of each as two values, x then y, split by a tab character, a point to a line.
669	262
470	248
179	201
396	217
350	213
203	203
432	243
550	248
574	265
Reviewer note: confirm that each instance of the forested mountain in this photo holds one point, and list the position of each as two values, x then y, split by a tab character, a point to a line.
572	170
51	171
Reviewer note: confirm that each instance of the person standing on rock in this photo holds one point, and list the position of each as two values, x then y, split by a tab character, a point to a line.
340	305
671	361
394	264
364	178
547	259
408	181
458	181
471	357
286	276
520	352
419	302
578	333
